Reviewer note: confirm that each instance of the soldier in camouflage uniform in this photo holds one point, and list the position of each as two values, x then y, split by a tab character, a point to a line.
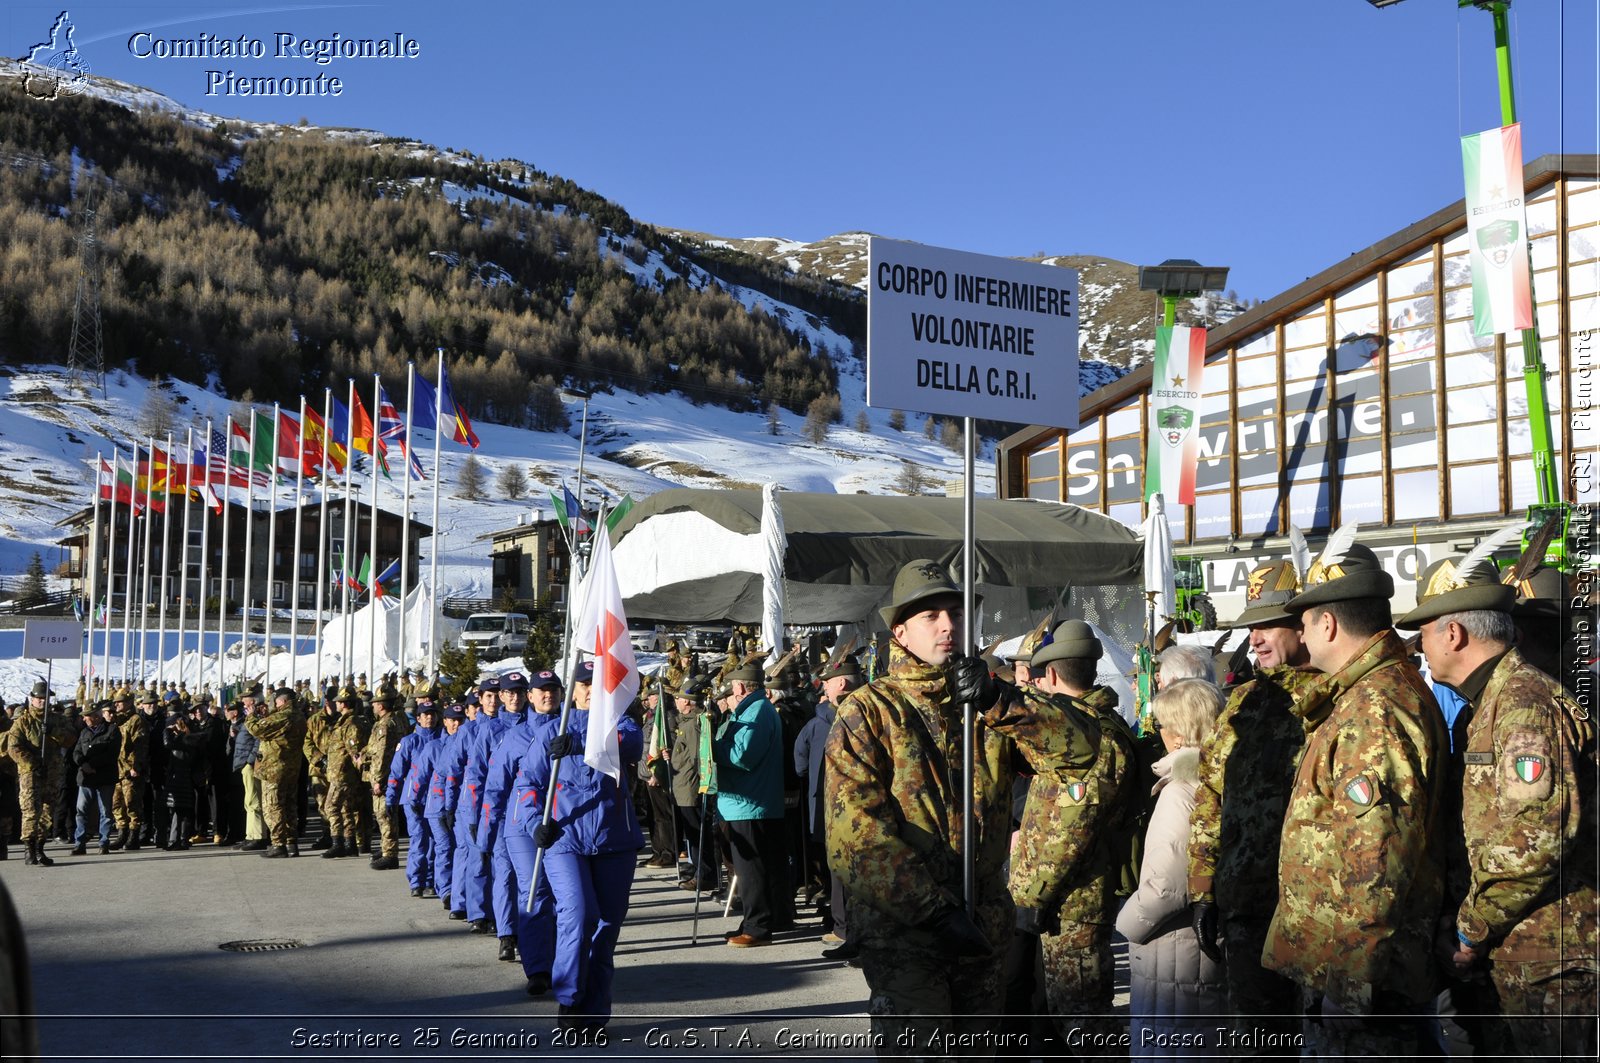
133	770
1360	875
318	727
1070	856
282	734
34	742
1247	769
346	739
387	729
894	796
1521	908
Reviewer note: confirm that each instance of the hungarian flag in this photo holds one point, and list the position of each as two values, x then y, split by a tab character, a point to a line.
1497	231
1172	450
455	418
116	485
603	631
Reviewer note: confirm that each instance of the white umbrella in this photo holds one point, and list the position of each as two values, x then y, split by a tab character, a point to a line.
1159	577
772	573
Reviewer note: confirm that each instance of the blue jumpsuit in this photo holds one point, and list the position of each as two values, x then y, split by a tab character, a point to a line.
408	790
511	809
590	865
445	758
501	885
471	888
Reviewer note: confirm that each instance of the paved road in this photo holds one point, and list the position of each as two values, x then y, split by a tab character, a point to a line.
126	963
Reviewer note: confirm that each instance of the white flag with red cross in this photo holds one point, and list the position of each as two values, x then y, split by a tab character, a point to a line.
603	631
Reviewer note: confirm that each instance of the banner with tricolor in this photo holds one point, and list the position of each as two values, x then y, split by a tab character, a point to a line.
1172	450
1497	231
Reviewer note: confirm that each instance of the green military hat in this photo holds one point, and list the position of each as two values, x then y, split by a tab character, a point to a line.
1072	639
748	672
1032	640
251	691
348	697
693	687
147	697
1447	588
917	581
386	693
1345	571
846	665
1268	591
41	689
1546	593
104	706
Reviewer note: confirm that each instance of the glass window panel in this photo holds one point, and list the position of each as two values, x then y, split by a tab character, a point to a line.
1466	369
1213	470
1305	462
1467	405
1361	499
1542	213
1363	294
1130	515
1046	489
1411	379
1213	516
1124	458
1178	522
1456	244
1087	432
1524	492
1459	338
1409	313
1548	314
1123	420
1083	475
1215	383
1257	402
1544	253
1519	438
1258	468
1263	343
1358	386
1583	244
1414	450
1458	303
1585	315
1044	463
1583	279
1412	277
1258	511
1416	495
1358	458
1474	489
1583	205
1310	505
1257	372
1308	362
1413	344
1306	331
1476	442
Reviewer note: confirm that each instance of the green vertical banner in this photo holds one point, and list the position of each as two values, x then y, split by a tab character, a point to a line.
1172	447
1497	231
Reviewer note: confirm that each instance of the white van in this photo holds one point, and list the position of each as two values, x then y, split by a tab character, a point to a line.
496	635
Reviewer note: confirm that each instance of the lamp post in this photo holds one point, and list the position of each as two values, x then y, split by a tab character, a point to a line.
574	560
1181	278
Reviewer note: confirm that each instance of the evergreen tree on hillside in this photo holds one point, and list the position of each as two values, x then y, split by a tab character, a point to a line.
33	591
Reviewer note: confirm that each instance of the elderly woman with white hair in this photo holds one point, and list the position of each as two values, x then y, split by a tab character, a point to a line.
1176	993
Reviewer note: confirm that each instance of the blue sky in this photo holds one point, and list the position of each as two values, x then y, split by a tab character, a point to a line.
1273	136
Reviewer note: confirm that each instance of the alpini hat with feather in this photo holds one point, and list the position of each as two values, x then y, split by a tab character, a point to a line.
1071	639
1272	586
1344	572
1466	584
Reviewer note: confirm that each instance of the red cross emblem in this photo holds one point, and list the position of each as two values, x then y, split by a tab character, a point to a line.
611	670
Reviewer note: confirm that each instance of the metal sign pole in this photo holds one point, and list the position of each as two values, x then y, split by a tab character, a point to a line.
969	875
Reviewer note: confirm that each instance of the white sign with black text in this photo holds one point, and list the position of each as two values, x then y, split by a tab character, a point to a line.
950	332
52	640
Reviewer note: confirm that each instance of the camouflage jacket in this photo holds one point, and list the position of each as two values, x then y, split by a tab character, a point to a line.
1529	819
1360	874
135	753
1247	768
893	798
1067	860
346	738
318	726
282	734
379	751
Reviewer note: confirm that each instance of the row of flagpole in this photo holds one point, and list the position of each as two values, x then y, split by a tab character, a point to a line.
162	478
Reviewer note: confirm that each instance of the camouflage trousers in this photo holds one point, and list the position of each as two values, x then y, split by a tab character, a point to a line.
925	1006
1394	1031
279	808
342	809
1541	1017
31	802
1079	977
1262	1002
317	795
127	804
388	836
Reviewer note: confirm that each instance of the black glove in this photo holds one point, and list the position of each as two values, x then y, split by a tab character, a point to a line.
545	834
957	936
1031	921
449	821
970	681
563	744
1204	915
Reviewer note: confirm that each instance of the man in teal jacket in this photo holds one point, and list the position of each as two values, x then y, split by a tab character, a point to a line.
749	752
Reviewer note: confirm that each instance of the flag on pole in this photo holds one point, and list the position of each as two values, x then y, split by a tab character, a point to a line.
391	425
289	445
362	432
603	631
455	418
126	481
1172	450
425	401
258	461
615	516
567	514
383	577
321	446
1497	231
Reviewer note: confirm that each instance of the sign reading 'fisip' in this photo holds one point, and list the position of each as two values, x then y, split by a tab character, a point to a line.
950	332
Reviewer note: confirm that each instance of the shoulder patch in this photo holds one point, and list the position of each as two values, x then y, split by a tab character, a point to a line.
1362	791
1076	791
1526	772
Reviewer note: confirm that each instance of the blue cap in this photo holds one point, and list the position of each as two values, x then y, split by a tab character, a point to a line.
545	680
454	713
490	685
513	681
584	673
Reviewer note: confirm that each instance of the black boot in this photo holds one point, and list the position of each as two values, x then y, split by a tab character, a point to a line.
81	849
336	848
508	949
350	846
276	852
385	863
4	855
33	854
294	847
133	841
121	839
323	842
43	860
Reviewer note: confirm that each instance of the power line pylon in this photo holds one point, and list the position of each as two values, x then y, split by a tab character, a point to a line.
86	358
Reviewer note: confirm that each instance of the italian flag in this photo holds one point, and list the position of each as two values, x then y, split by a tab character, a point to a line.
1497	231
1172	448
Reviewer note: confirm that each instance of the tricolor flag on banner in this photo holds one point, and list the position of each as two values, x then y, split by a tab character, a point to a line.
1497	231
1173	448
603	631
